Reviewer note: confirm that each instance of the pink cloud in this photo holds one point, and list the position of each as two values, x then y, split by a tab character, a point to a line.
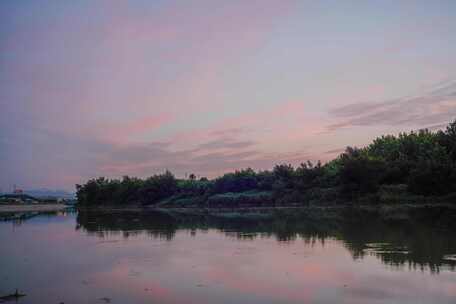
146	124
281	133
124	132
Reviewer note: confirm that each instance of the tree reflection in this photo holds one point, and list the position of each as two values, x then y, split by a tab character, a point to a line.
412	245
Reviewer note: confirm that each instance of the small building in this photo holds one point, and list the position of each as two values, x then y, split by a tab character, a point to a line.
18	191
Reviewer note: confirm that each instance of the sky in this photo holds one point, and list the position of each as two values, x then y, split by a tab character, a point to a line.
113	88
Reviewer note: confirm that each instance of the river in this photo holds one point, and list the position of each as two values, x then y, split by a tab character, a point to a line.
128	257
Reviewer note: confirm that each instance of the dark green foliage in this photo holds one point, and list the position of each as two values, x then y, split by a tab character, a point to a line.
309	175
434	178
238	181
244	199
283	180
157	187
447	139
392	169
359	173
265	180
284	174
102	191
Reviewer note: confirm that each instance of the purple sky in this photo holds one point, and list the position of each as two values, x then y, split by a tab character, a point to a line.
110	88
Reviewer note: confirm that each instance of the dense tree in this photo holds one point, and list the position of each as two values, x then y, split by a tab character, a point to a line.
432	178
422	163
308	175
238	181
360	173
157	187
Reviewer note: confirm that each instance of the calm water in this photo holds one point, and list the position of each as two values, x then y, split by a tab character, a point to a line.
139	258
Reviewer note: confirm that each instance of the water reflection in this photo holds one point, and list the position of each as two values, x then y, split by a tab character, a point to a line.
103	224
137	257
414	246
17	218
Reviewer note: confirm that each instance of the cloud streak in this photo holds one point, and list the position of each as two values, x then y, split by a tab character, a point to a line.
436	106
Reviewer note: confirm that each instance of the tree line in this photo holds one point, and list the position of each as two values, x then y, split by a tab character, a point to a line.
392	168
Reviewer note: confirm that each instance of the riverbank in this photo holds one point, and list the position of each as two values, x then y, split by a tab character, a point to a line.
31	208
23	212
437	215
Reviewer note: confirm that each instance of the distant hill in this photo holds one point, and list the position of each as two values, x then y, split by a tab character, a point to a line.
48	193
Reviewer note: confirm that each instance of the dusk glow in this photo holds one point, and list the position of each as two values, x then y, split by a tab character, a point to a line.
113	88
